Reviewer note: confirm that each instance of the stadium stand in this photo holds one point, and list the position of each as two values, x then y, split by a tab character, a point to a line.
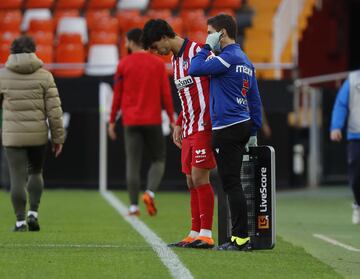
73	25
10	4
30	14
101	4
195	4
70	49
164	4
35	4
100	57
132	4
70	4
60	13
10	20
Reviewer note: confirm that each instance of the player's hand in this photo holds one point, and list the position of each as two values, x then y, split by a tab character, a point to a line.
336	135
177	138
57	149
252	142
213	39
111	131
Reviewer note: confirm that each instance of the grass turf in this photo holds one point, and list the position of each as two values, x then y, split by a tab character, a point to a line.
84	218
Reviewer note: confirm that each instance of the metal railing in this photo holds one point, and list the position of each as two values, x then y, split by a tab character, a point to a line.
308	100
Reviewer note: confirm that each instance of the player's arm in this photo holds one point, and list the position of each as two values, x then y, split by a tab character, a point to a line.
341	107
255	106
340	112
116	101
202	66
167	98
177	138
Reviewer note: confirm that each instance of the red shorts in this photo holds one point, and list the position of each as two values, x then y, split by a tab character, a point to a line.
196	151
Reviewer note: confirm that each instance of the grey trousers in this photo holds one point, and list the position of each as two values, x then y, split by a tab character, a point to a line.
25	166
138	138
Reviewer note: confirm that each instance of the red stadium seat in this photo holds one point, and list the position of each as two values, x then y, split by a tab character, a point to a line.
128	19
164	14
177	24
34	4
215	12
195	4
6	39
10	20
198	36
45	53
194	20
43	25
43	38
10	4
101	4
70	4
100	38
164	4
58	14
93	16
227	4
108	24
69	50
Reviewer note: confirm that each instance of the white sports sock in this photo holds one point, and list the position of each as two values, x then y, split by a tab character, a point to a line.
151	193
193	234
133	208
33	213
20	223
206	233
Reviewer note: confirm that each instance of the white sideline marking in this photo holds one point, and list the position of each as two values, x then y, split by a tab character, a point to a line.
336	243
61	245
166	255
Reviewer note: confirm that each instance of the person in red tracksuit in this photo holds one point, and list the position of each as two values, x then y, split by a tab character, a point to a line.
141	87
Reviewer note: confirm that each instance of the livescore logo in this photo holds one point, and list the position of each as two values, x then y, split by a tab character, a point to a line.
263	220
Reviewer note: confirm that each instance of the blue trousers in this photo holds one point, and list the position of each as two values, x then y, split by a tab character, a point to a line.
354	168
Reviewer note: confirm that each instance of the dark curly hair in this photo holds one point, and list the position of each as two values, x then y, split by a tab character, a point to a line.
135	35
23	44
154	30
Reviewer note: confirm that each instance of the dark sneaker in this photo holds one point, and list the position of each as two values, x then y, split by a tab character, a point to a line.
232	246
201	242
22	228
33	223
182	243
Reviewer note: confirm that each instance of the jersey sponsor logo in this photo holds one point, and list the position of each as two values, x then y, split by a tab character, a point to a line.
244	69
241	101
199	161
183	82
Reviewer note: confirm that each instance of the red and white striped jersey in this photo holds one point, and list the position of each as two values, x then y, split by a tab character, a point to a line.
193	91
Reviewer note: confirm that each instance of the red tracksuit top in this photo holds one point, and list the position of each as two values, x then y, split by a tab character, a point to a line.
141	88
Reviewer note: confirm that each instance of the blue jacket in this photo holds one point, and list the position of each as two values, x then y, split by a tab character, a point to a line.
341	111
234	94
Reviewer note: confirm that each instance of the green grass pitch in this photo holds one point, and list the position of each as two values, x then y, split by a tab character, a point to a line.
82	236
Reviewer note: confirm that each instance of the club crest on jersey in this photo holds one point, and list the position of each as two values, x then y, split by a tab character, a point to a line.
186	64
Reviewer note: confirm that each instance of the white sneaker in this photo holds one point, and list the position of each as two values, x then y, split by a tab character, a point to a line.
356	215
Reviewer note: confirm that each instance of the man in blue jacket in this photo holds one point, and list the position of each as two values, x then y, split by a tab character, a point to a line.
347	106
235	108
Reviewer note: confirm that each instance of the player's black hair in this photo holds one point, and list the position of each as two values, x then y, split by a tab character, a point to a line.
224	21
135	35
23	44
154	30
